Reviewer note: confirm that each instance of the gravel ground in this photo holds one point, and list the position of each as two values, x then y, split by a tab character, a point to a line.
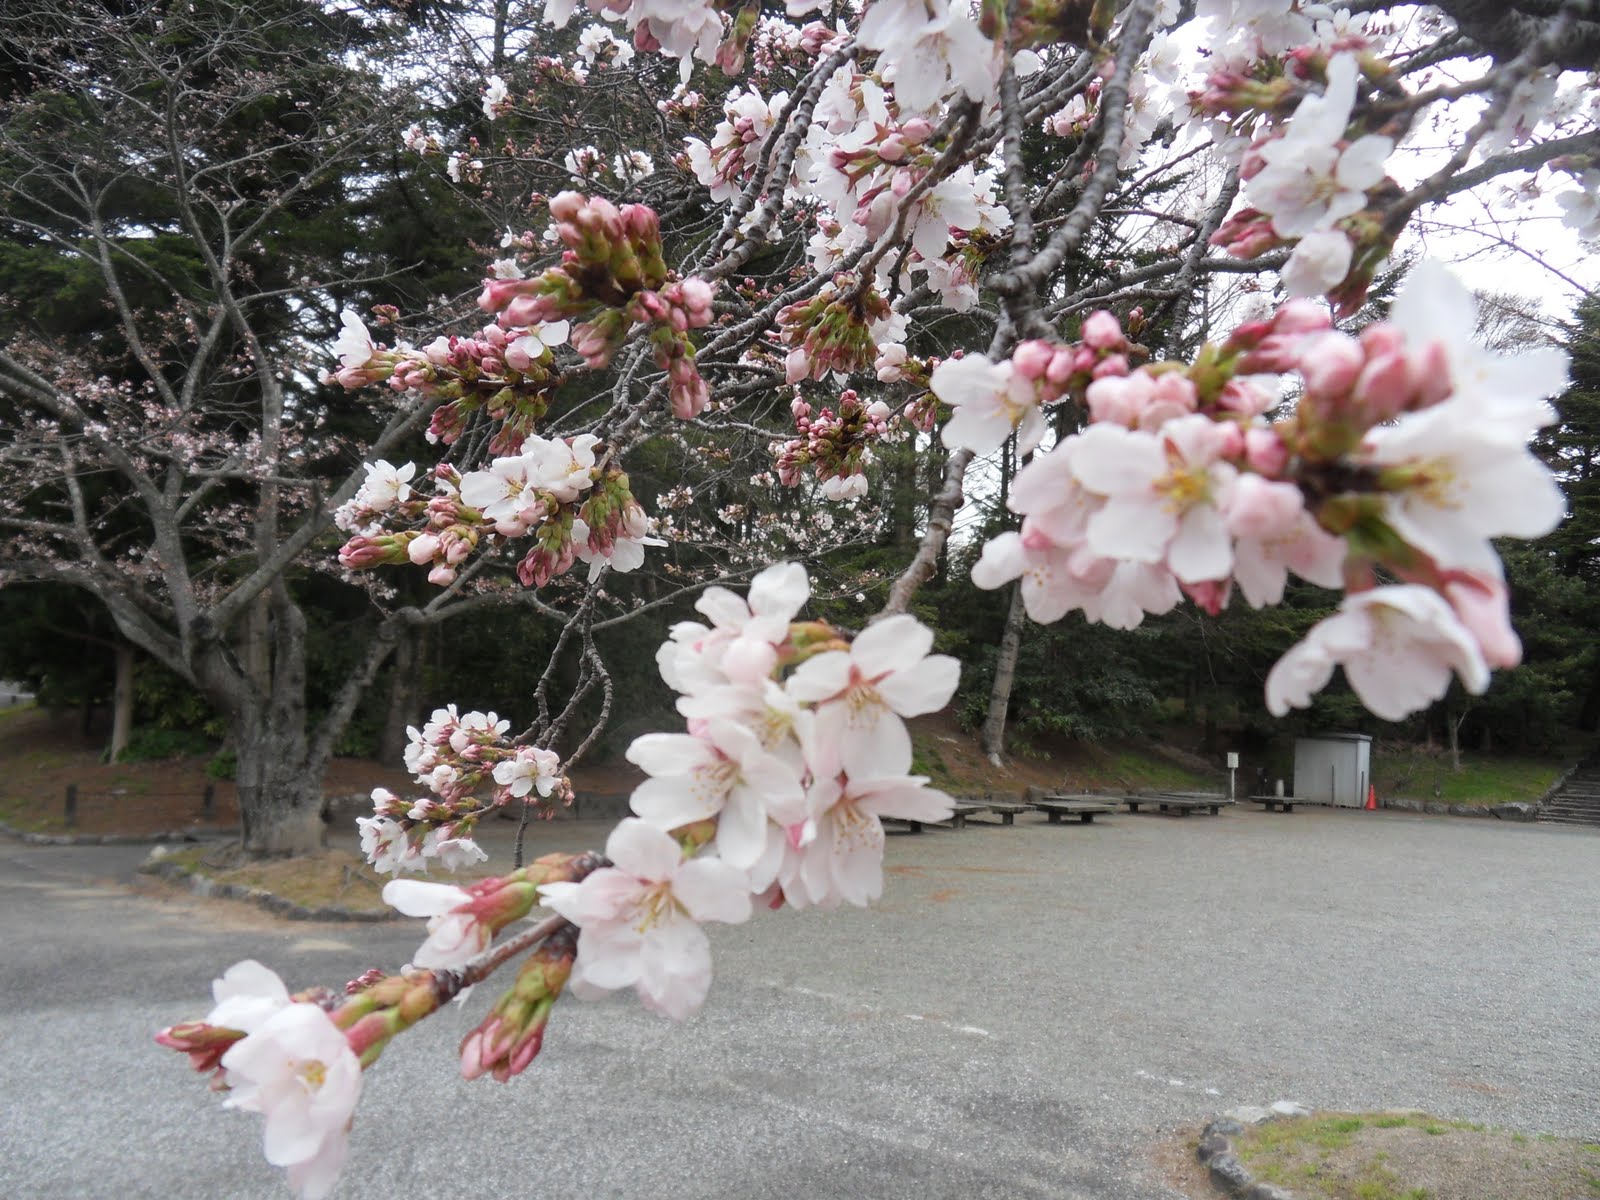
1029	1010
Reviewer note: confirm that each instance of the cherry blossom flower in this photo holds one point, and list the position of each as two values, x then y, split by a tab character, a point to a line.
1398	646
494	96
923	54
452	853
861	694
1163	494
640	918
1437	313
386	485
531	769
1275	534
1318	263
456	933
842	861
385	845
744	634
354	347
723	771
1456	482
297	1069
991	401
528	348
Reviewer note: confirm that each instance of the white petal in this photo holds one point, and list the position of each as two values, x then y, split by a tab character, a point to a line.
713	890
643	850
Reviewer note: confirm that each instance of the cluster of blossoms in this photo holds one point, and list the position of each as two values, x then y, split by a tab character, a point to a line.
993	400
611	273
723	164
835	331
454	756
864	167
837	446
506	375
795	749
1407	453
1309	184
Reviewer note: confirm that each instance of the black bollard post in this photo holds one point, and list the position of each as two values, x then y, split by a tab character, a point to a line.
208	802
72	804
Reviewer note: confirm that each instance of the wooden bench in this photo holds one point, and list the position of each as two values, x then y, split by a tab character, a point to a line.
1181	803
1085	808
1274	802
1006	810
958	818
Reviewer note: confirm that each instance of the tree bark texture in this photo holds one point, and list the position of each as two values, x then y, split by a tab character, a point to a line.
993	740
122	703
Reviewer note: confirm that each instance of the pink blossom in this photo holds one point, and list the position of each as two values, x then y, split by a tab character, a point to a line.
640	918
991	401
1163	494
861	694
298	1070
1398	646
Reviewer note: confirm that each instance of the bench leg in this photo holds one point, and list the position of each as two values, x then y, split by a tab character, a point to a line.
1182	812
916	826
1133	808
1288	808
1055	817
958	820
1086	818
1216	810
1006	818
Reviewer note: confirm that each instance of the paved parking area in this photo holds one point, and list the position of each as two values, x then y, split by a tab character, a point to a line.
1025	1014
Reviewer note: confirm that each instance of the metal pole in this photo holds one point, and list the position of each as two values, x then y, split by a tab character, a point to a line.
72	804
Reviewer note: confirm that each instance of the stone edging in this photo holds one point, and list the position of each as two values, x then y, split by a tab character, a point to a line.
1228	1173
111	839
1516	810
205	886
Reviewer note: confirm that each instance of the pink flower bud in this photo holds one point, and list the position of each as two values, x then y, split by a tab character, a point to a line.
1330	362
566	205
1032	359
1211	595
1383	390
1484	608
442	575
1260	508
423	549
1102	331
1243	397
796	365
1265	452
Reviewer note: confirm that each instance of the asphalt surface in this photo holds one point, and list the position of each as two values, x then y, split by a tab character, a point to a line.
1025	1015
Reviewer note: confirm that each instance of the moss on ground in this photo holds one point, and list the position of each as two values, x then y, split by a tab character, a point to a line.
1420	775
332	877
1414	1156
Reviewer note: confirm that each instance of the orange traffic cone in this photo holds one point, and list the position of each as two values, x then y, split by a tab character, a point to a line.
1372	798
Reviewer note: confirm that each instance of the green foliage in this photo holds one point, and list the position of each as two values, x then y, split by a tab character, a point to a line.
154	744
224	764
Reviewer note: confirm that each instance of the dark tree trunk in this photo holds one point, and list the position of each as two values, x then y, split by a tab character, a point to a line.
403	690
279	776
280	791
993	739
122	703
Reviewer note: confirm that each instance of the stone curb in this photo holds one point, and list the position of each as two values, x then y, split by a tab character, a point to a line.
112	839
206	887
1516	810
1228	1173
